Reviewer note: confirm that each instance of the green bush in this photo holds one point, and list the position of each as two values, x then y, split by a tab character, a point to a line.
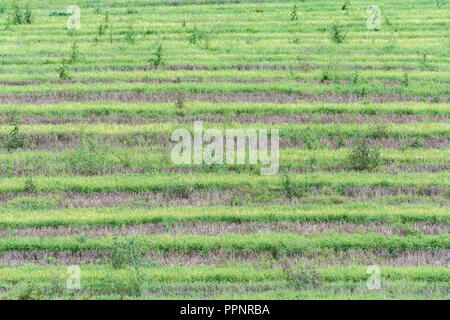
364	157
294	13
158	59
289	187
24	291
337	34
92	158
16	139
34	203
130	34
75	53
63	71
345	5
302	277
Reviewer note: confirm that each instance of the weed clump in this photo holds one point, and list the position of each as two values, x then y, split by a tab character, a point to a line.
158	59
30	187
345	5
91	159
130	253
195	36
302	277
405	79
289	187
24	291
337	34
294	15
364	157
63	71
16	139
130	34
75	53
326	76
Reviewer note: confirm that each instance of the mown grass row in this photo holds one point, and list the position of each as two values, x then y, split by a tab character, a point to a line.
165	73
241	273
354	213
201	181
240	282
279	242
90	161
195	108
424	89
290	130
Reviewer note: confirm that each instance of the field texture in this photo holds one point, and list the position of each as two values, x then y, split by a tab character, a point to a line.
93	207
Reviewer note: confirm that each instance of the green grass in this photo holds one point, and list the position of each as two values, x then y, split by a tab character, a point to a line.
357	213
251	66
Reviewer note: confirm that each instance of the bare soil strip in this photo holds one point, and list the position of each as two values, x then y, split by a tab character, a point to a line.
251	66
223	258
213	229
19	83
272	97
71	141
202	198
21	170
244	119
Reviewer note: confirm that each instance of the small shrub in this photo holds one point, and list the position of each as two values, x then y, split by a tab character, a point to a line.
288	186
130	34
180	99
416	143
130	253
24	291
337	33
101	30
195	36
355	78
17	17
16	139
362	92
405	79
27	17
75	53
30	187
302	277
158	59
311	139
378	131
34	203
91	158
326	76
436	99
294	13
364	157
63	71
345	5
181	191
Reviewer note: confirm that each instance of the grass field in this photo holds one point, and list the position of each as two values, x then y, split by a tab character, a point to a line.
87	182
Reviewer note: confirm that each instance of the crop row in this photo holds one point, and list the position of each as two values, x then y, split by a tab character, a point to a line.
291	130
240	273
355	213
114	160
422	89
167	74
281	242
196	108
159	182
